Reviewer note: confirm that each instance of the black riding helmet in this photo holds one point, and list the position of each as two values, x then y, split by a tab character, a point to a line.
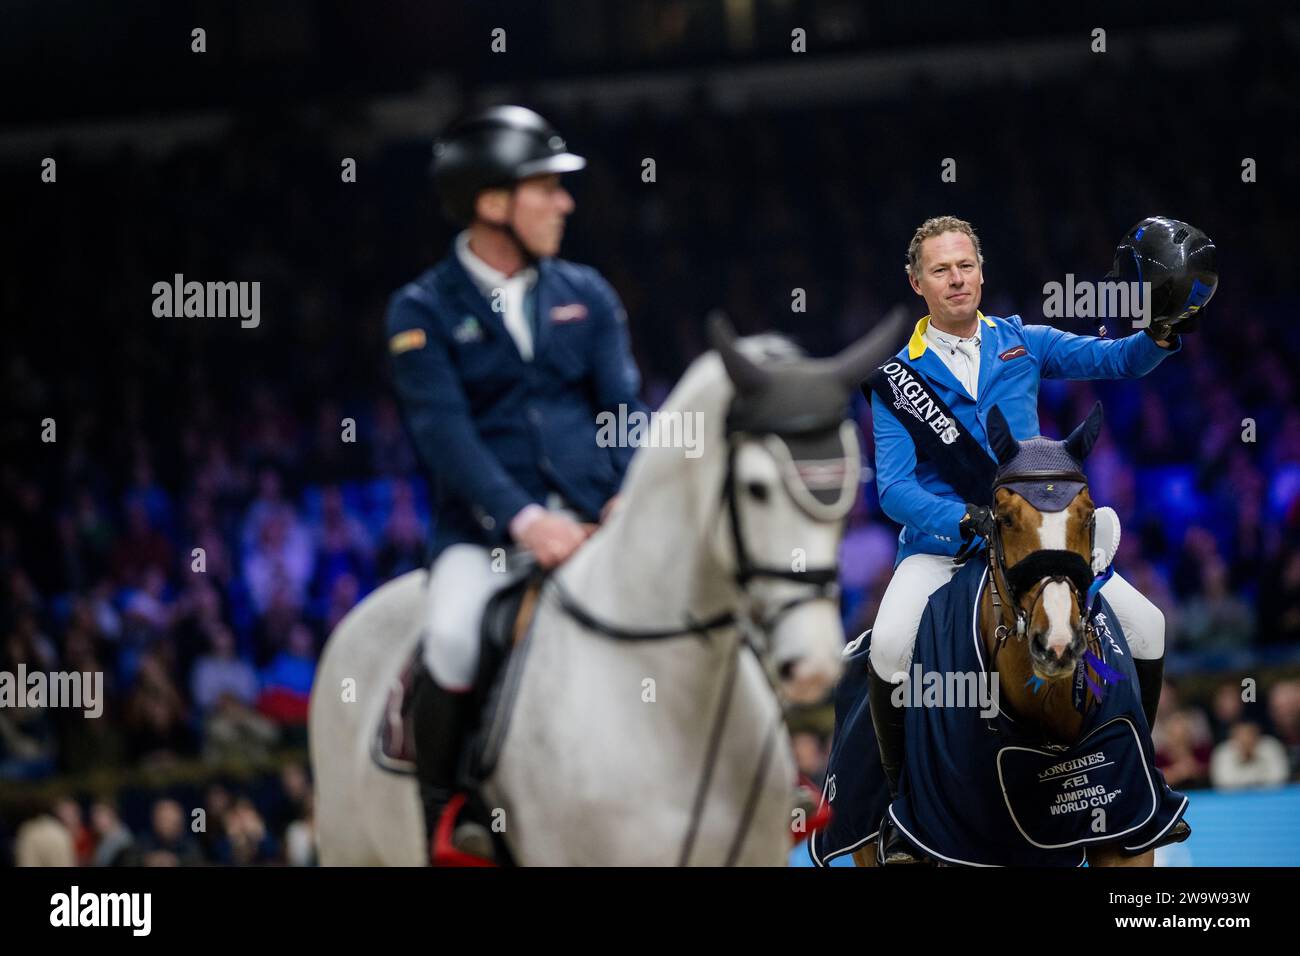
497	146
1179	262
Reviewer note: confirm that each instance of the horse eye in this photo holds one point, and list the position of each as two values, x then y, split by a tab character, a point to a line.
757	490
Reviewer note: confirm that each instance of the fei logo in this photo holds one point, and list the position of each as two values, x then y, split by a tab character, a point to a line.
103	909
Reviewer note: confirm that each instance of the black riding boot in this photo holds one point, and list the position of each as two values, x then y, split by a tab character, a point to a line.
1151	678
889	723
442	721
888	720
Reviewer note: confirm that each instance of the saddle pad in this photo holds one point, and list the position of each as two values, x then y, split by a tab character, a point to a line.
393	746
989	791
855	785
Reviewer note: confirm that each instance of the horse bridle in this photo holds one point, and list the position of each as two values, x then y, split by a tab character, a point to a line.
823	581
1039	567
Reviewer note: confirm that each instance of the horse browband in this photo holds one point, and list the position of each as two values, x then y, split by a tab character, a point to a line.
1039	476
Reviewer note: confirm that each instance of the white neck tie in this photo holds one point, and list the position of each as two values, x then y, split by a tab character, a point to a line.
969	349
513	292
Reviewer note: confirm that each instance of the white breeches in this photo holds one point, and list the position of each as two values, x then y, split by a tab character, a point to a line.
462	580
893	636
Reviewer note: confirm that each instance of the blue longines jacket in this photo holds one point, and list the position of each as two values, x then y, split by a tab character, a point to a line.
495	432
1013	358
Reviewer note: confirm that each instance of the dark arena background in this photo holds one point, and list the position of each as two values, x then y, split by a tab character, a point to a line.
796	145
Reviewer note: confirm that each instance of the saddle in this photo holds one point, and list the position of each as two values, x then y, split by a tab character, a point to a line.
506	621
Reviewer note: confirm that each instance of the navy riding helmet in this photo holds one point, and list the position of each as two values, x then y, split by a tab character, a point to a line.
1179	262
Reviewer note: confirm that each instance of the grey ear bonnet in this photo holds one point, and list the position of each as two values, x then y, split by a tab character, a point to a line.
1042	456
1046	473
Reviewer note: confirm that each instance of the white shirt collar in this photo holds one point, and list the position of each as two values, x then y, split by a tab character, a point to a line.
485	277
948	340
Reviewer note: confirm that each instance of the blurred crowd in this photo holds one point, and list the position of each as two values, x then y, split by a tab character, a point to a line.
267	823
216	498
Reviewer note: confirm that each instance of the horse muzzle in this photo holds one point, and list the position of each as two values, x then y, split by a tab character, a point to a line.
1054	659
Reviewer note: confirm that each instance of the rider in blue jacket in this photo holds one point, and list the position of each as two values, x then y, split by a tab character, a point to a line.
973	362
503	356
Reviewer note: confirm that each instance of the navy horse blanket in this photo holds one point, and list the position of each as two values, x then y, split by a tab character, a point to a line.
979	789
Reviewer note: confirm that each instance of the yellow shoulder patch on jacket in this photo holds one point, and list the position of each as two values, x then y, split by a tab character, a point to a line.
406	341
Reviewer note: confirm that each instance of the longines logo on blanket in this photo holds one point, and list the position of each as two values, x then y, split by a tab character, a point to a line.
947	689
1069	766
132	910
656	430
911	396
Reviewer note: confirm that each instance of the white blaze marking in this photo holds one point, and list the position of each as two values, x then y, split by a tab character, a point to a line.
1056	596
1056	602
1051	533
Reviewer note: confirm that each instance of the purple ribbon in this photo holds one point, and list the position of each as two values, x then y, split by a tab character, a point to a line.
1107	673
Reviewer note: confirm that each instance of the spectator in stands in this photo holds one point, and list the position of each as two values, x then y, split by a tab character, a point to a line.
391	455
145	491
156	715
44	841
279	565
246	841
169	842
1284	713
1248	759
270	502
286	682
141	547
1227	708
221	672
343	544
300	837
234	731
1215	618
114	842
217	801
343	596
402	540
83	838
28	744
86	744
811	751
1180	754
1279	600
92	536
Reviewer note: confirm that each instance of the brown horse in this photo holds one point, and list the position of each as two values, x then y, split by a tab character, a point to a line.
1033	623
1033	607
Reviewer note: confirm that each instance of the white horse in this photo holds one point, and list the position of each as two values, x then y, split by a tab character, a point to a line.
644	728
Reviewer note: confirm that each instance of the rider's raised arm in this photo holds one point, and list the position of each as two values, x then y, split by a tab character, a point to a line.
1066	355
438	416
901	494
617	380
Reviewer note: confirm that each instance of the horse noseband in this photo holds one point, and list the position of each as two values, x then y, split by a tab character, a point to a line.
1053	565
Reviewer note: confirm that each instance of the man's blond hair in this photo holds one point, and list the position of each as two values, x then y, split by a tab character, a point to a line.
937	227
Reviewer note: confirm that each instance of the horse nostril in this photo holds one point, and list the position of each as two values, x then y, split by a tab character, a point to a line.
786	670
